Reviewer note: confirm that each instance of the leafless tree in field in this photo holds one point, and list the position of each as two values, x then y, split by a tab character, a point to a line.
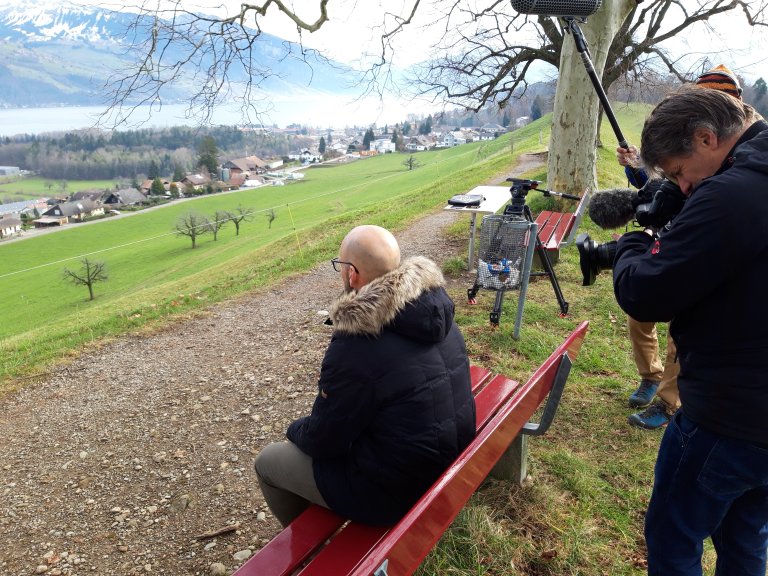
89	274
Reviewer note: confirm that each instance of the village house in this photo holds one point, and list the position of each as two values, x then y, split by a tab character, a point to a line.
93	195
9	226
383	145
124	197
146	186
194	181
9	171
65	212
24	206
249	166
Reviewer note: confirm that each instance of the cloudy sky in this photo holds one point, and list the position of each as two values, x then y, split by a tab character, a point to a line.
353	34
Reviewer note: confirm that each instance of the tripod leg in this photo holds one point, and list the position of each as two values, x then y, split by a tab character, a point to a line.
496	313
472	294
547	264
545	261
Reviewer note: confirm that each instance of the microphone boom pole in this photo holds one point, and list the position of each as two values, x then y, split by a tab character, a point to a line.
581	46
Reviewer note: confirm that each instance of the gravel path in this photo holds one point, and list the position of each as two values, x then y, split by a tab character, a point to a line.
121	462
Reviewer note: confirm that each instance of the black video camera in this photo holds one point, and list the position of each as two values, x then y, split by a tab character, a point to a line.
660	201
657	203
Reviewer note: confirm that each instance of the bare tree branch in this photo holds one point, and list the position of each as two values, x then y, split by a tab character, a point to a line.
213	58
484	55
486	65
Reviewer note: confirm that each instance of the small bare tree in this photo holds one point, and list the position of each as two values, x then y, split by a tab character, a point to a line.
411	162
88	275
271	216
192	225
220	218
240	215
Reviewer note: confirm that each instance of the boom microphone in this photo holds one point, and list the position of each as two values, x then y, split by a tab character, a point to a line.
557	8
611	209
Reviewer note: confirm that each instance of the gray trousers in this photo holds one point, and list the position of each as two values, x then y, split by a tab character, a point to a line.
287	481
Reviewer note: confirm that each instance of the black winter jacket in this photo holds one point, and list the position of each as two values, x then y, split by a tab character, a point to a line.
709	274
395	405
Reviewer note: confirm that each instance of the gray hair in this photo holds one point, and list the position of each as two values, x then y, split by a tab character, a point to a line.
669	130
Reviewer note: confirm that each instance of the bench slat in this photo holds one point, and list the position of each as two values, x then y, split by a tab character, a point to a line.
281	555
344	552
491	398
478	376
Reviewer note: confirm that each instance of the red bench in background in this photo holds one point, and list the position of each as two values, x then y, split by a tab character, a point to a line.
558	229
321	543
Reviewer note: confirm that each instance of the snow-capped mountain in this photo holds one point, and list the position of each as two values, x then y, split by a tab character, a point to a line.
59	53
33	22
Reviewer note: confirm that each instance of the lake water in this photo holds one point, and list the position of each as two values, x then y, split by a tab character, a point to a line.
320	113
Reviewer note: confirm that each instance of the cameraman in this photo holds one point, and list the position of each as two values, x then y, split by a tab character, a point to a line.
707	274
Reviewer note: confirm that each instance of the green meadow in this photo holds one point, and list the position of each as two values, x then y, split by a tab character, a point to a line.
18	189
154	273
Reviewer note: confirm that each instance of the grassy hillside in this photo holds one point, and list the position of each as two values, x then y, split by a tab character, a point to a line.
153	273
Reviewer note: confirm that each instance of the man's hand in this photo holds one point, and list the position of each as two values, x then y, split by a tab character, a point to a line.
628	156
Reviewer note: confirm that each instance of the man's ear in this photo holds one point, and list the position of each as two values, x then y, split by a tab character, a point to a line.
706	138
354	278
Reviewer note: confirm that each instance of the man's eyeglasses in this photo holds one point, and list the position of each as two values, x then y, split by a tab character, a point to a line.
336	263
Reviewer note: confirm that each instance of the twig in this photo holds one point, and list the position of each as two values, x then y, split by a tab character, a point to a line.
219	532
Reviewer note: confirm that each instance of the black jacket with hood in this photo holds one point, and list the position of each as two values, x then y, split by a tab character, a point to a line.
709	274
395	405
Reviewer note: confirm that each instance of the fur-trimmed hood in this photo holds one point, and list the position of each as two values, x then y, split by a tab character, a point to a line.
383	302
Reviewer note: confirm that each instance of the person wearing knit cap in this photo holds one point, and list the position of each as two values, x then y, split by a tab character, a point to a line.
720	78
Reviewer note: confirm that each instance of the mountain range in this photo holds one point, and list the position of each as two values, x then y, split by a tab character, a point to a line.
62	54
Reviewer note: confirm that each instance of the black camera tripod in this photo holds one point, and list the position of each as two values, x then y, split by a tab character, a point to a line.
517	209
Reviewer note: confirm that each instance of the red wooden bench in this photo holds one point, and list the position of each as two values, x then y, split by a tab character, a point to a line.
558	229
321	543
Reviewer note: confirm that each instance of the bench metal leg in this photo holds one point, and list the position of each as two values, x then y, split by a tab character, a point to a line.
513	465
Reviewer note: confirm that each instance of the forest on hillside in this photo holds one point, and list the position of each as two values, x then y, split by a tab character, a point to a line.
97	154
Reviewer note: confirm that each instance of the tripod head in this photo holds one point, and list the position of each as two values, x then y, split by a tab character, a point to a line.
519	190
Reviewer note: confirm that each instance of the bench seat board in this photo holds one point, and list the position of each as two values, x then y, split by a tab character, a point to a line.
478	376
281	555
554	228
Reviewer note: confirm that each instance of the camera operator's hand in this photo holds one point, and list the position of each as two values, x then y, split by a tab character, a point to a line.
628	156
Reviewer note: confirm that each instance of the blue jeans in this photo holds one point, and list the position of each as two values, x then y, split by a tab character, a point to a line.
707	485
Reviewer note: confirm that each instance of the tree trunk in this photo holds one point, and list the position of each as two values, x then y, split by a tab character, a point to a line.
571	163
